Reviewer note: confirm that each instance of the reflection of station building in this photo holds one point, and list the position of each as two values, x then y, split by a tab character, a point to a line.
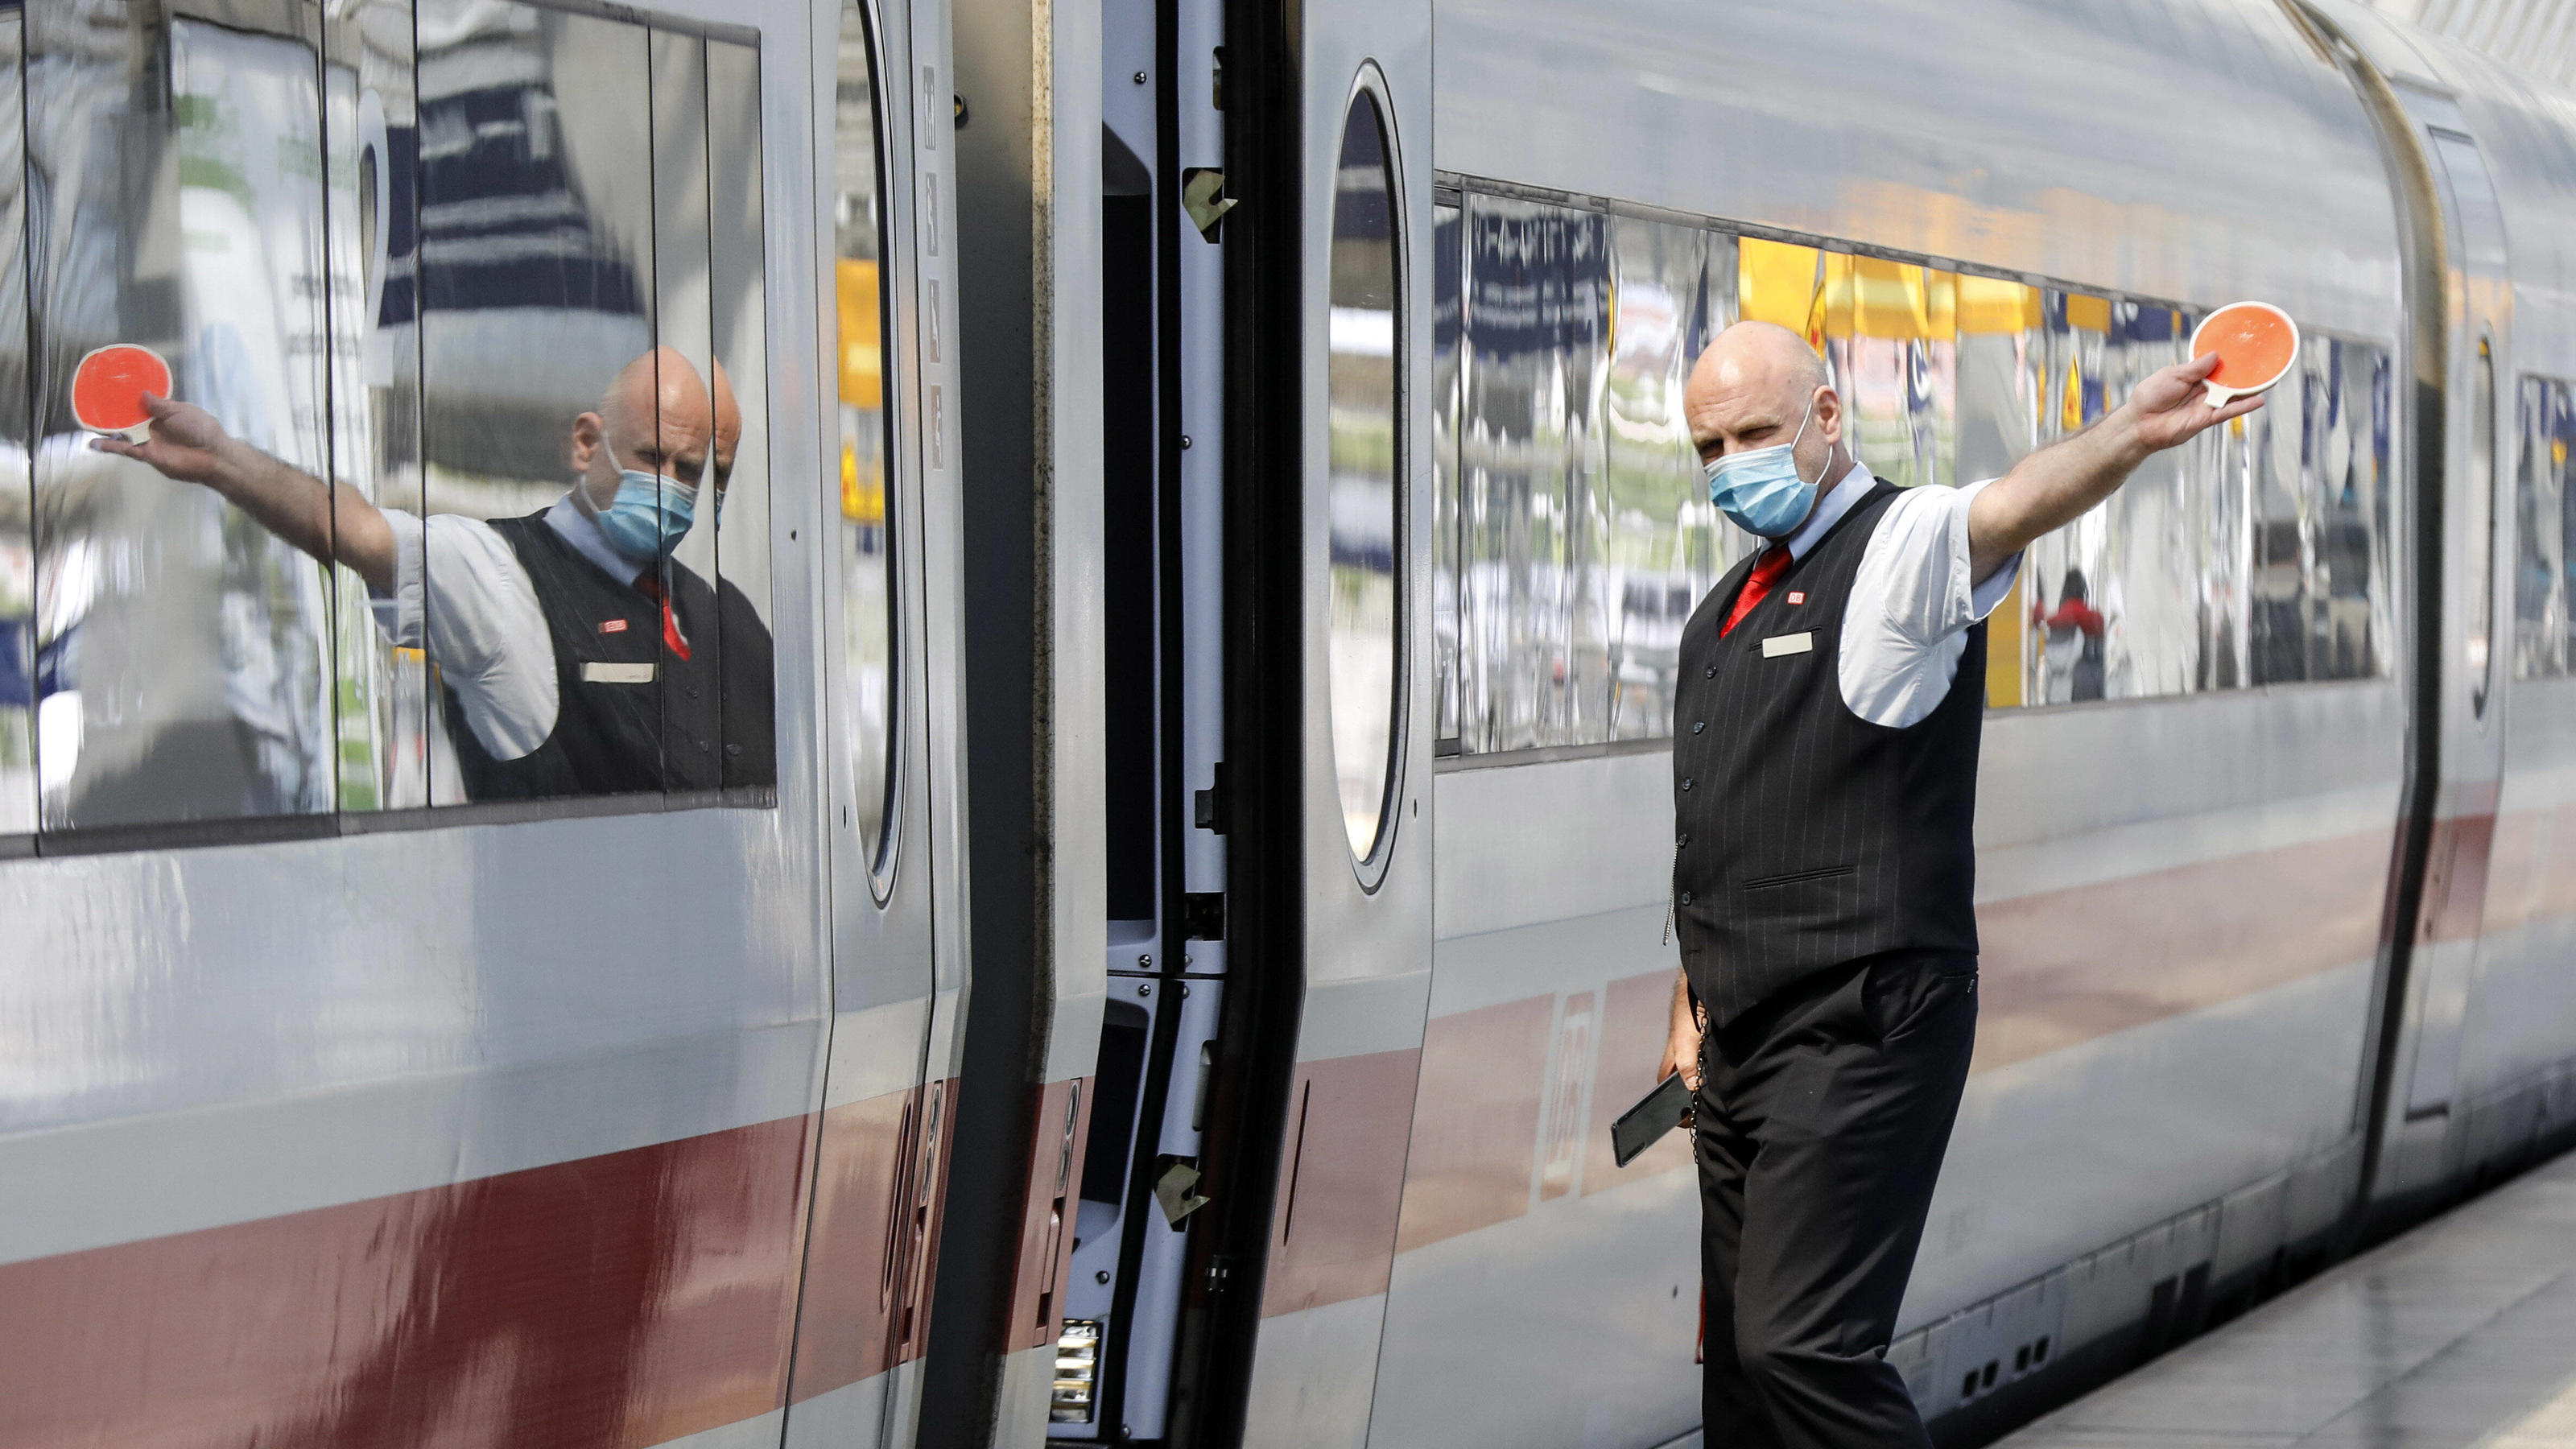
532	285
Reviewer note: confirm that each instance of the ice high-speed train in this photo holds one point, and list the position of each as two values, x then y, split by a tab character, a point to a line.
1146	937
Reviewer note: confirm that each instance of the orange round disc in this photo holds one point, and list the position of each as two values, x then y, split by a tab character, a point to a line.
109	384
2255	343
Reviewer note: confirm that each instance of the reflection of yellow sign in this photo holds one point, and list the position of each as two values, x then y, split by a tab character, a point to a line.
2088	314
862	356
2071	412
2004	650
1831	316
1836	294
862	497
1902	302
1776	282
1990	305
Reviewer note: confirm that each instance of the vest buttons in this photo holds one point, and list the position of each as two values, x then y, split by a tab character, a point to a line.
1686	784
1685	898
1683	841
1712	671
1697	725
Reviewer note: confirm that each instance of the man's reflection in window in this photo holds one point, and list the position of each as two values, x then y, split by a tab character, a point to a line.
579	657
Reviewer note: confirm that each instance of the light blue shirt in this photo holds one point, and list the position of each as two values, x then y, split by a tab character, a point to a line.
1912	603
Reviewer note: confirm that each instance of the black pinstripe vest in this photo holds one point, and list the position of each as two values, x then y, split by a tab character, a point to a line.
684	726
1807	836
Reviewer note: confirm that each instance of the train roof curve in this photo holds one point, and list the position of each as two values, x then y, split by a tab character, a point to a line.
2196	151
2527	132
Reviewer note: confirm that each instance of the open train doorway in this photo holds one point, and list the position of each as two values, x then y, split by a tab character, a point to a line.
1161	289
1266	749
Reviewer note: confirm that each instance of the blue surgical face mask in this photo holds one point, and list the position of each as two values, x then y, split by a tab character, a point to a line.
1760	488
649	516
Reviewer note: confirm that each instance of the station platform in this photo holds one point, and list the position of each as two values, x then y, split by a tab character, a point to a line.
2461	1332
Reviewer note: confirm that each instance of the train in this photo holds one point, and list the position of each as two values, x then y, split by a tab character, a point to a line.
1111	887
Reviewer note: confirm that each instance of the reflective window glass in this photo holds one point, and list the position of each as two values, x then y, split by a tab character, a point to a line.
2349	502
693	666
371	129
867	716
2284	538
561	443
1448	305
1662	544
182	654
2542	517
2001	384
1783	283
2254	554
1892	344
739	284
1534	619
2478	491
1364	328
17	501
442	297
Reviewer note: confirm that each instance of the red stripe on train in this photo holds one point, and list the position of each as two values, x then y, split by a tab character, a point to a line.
619	1300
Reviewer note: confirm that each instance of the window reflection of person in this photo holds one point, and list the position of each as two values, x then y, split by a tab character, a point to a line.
579	657
2074	649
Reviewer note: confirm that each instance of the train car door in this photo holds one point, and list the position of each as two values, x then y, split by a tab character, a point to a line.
893	837
1346	870
2478	298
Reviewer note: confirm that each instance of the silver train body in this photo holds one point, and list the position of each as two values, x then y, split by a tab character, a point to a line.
1221	530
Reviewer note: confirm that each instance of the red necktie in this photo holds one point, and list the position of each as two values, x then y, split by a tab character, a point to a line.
649	584
1767	570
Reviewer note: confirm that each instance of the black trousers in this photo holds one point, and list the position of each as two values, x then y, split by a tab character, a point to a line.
1822	1117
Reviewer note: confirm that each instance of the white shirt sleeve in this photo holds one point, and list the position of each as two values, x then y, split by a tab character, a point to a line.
484	629
1912	603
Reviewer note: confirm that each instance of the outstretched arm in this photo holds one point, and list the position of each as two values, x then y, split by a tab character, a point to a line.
189	445
2054	486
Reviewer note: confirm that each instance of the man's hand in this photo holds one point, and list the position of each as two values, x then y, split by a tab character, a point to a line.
2056	485
186	443
1681	1047
2172	406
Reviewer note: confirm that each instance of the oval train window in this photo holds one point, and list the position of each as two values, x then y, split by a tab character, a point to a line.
866	534
1363	416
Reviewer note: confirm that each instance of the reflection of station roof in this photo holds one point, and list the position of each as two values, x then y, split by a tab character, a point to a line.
2534	37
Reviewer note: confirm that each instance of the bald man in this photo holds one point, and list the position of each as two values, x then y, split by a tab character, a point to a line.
1824	777
578	657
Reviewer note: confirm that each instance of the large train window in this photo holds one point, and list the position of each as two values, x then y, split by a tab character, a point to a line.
1576	536
1363	498
867	529
503	291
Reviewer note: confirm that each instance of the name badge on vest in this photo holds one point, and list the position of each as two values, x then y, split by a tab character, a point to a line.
596	673
1779	644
